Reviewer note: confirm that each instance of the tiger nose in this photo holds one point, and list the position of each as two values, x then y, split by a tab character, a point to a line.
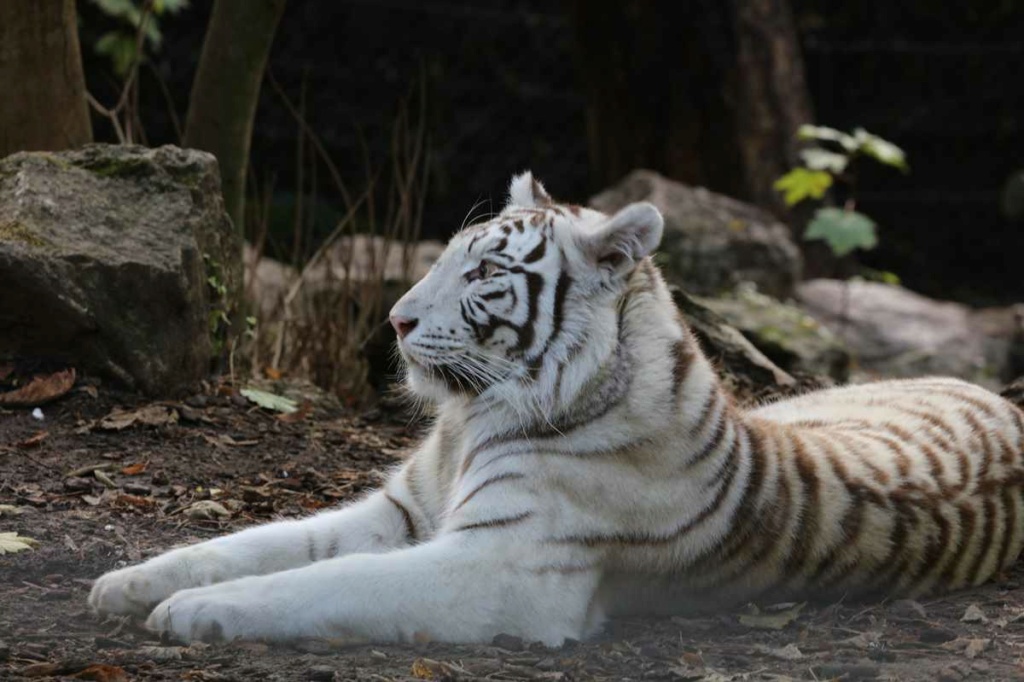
403	325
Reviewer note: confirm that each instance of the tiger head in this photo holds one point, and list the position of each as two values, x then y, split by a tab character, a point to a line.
520	292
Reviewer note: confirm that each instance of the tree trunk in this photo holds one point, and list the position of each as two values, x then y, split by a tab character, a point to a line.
771	95
706	92
226	89
44	106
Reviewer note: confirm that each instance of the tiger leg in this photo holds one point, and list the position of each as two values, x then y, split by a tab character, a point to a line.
451	589
376	523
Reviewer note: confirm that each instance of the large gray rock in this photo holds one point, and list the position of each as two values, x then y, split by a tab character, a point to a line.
893	332
712	242
793	340
116	259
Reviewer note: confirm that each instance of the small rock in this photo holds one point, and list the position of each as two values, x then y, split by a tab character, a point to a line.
198	401
974	614
545	664
37	414
321	673
378	655
77	484
137	489
160	478
508	642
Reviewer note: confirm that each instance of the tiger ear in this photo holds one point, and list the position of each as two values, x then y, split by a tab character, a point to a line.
527	192
626	238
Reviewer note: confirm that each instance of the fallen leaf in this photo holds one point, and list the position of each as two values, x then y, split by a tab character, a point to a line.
150	415
270	401
790	652
134	501
101	672
305	409
12	543
10	510
134	469
42	388
272	373
34	441
429	669
39	670
206	510
971	647
221	440
772	621
161	654
863	640
973	614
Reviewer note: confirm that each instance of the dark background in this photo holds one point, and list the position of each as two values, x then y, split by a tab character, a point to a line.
941	79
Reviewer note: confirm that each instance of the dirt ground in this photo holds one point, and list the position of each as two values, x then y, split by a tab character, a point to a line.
154	465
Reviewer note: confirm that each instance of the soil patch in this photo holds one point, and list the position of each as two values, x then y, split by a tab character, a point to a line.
155	461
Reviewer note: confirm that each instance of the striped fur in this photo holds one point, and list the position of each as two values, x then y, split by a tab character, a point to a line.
586	461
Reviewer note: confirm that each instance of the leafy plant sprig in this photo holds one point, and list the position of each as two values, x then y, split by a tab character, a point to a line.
119	45
843	229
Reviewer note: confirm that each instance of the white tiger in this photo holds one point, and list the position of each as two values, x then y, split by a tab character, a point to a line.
585	461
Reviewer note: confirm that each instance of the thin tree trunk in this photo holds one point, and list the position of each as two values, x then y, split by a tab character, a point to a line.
41	80
226	89
772	100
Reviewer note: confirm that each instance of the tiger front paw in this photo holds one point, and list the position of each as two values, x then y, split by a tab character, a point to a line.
135	590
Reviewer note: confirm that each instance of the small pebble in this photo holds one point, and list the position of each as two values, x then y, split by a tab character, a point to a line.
197	401
77	484
37	414
137	489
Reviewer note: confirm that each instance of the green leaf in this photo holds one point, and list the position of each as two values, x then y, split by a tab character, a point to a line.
820	159
842	230
119	9
880	150
269	401
120	47
801	183
809	132
169	6
12	543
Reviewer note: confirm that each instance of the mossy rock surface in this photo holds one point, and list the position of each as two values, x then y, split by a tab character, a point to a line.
785	333
102	261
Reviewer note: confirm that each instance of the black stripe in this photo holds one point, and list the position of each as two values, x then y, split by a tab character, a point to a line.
537	252
410	527
495	523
